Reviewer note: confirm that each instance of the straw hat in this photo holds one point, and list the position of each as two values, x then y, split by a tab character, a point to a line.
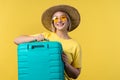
71	11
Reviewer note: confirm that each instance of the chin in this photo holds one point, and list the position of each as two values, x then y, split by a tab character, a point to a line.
61	29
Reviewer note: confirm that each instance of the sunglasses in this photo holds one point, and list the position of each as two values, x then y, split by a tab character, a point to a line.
62	18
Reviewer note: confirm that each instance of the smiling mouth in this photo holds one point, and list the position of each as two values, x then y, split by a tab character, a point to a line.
60	24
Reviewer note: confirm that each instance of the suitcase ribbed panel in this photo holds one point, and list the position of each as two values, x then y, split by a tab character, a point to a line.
40	61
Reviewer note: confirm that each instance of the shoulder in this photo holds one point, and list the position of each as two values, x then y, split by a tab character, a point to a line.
75	43
72	44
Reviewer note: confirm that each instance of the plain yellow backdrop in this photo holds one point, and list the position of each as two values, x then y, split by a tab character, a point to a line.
98	34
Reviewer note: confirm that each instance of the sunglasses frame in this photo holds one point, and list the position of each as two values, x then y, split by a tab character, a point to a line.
62	18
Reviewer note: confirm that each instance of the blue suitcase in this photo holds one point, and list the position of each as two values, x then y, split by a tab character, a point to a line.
40	61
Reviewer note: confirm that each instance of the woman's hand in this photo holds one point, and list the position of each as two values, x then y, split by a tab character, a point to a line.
64	58
69	69
39	37
26	38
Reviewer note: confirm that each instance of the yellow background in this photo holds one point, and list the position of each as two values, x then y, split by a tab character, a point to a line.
98	34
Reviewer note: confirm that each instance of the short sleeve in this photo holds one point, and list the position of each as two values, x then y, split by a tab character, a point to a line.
46	34
77	57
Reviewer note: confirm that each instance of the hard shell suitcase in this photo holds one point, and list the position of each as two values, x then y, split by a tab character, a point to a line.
40	61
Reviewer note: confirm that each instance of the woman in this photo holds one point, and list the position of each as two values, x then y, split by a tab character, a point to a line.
60	20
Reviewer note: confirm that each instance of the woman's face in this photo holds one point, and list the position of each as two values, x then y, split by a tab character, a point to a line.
60	21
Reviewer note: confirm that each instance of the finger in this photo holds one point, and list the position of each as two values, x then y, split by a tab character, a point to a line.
41	37
63	59
64	55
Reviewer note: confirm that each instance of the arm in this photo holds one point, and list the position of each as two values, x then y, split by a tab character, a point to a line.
26	38
69	69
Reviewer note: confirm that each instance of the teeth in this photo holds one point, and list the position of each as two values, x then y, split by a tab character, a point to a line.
60	24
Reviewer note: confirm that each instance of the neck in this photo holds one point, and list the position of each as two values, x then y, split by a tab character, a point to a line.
63	34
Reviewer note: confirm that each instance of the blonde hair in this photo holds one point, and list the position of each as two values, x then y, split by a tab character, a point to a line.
53	29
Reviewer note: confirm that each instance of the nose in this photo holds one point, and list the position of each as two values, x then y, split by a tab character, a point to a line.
59	20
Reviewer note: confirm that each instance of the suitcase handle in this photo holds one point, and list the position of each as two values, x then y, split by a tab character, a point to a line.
38	46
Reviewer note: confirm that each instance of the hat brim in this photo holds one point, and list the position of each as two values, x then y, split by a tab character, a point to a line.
71	11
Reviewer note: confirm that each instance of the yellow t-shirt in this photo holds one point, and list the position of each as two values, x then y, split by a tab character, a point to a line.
70	47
